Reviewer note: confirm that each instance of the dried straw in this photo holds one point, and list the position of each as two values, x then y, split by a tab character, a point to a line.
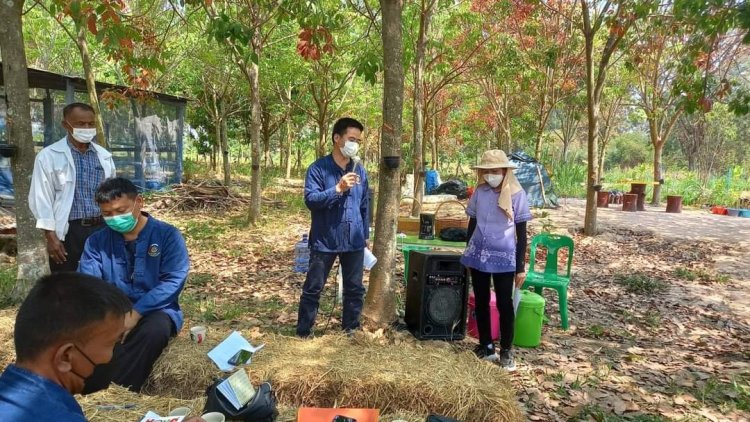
7	348
337	371
94	405
184	370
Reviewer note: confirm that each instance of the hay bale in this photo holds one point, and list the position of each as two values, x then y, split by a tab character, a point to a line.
408	381
339	371
184	369
7	348
138	405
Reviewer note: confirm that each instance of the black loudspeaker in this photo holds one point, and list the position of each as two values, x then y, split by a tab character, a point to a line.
436	296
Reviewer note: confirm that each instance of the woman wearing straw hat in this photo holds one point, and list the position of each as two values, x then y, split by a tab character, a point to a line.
498	211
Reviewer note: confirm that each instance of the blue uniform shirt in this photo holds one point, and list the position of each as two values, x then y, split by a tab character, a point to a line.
26	396
157	275
339	220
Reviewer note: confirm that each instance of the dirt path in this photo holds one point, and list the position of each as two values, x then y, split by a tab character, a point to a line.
660	308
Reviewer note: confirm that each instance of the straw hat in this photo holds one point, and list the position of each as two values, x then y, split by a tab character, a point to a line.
494	159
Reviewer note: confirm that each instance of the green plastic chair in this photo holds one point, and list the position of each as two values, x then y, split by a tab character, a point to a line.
550	278
405	249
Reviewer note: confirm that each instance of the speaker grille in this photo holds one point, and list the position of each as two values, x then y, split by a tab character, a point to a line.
444	306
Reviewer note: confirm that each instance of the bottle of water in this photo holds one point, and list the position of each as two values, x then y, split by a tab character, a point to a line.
301	255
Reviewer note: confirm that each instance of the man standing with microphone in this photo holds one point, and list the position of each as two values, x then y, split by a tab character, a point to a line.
336	192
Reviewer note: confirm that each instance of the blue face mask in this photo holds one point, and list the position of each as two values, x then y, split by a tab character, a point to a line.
122	223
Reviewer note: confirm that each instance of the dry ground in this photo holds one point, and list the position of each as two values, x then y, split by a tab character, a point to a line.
659	308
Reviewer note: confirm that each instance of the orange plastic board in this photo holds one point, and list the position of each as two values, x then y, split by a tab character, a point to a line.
317	414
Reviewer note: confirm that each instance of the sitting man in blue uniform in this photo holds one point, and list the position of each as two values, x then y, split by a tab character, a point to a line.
147	259
66	327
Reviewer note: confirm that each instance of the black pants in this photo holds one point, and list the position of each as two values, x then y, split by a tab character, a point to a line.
353	294
74	242
504	284
133	361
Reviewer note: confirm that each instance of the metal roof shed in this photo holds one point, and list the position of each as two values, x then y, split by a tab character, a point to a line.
145	134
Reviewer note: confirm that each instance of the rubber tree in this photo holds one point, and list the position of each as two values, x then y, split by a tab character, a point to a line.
380	303
32	259
617	17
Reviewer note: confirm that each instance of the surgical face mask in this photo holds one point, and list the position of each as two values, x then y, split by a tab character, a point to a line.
84	135
493	180
350	149
87	386
122	223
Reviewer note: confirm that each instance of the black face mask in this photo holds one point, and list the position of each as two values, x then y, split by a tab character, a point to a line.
100	377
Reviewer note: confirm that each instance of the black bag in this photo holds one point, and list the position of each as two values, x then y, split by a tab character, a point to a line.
453	187
261	408
438	418
454	234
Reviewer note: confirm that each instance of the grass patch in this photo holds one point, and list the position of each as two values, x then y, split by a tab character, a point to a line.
652	319
195	230
726	396
7	282
640	283
701	275
596	331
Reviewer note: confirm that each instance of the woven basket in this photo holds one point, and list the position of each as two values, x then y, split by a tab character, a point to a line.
446	222
408	224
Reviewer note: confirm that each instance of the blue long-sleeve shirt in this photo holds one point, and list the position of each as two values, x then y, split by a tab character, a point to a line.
156	274
26	396
339	220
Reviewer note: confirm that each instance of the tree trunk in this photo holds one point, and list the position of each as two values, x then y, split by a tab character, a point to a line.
320	149
288	137
225	152
380	303
288	148
255	142
298	164
88	72
433	144
418	105
592	109
658	149
32	259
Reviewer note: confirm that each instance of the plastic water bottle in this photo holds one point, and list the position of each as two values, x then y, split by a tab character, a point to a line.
301	255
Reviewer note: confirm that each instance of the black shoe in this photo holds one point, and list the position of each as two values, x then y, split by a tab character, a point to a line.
486	352
506	360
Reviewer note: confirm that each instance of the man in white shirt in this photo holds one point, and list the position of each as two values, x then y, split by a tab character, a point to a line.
66	176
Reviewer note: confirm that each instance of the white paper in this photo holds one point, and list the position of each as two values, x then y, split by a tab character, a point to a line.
224	351
516	299
153	417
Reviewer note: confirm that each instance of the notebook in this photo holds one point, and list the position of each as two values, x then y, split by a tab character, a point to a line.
237	389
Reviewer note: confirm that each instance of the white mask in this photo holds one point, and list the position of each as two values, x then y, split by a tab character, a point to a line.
494	180
350	149
84	135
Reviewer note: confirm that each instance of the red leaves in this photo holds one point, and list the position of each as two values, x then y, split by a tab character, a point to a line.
311	42
91	24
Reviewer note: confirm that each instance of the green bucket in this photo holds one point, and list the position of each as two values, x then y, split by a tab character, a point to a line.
528	330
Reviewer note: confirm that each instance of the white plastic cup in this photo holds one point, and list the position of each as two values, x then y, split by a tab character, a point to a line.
180	411
369	260
198	334
214	417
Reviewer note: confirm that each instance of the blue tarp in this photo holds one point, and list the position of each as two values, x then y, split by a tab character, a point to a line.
533	176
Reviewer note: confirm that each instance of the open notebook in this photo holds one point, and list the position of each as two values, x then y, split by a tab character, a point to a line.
237	389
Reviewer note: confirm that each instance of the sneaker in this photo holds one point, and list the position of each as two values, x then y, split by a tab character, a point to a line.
507	361
486	352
